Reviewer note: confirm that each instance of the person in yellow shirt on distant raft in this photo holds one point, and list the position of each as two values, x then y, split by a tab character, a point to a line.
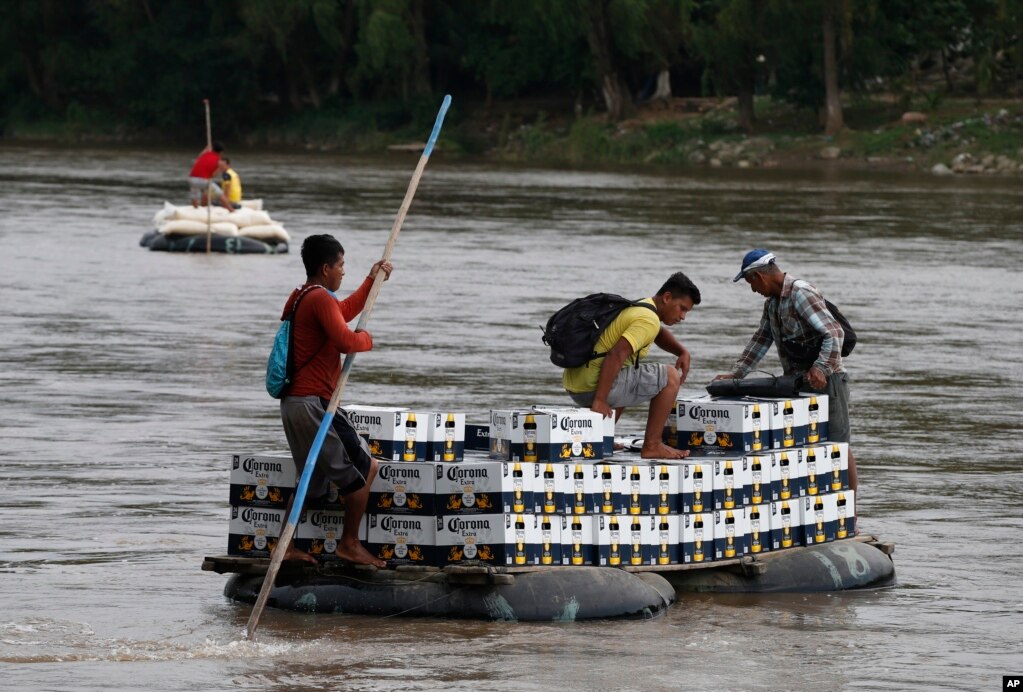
232	183
618	379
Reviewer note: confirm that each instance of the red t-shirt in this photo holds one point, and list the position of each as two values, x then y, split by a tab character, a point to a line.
205	166
320	336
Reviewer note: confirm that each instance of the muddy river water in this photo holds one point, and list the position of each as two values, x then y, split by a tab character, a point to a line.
129	377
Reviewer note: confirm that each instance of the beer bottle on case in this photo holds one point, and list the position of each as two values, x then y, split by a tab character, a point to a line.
663	558
836	467
811	472
786	483
577	541
549	506
789	437
786	525
520	540
697	488
409	453
729	474
449	438
579	505
518	502
634	504
546	553
729	534
758	439
663	505
607	501
529	438
758	474
614	557
636	531
755	544
818	511
698	553
842	530
813	435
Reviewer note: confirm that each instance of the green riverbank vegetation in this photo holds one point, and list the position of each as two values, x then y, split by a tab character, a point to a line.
741	83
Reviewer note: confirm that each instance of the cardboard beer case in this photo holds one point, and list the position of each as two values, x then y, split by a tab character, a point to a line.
404	488
666	548
445	437
485	487
529	435
319	532
477	437
581	488
790	420
732	481
791	473
253	531
829	517
696	485
731	529
697	536
608	429
718	424
759	517
393	433
817	418
786	518
578	540
402	539
763	482
509	539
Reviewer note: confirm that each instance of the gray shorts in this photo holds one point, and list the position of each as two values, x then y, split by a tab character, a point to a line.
197	188
633	386
838	407
344	457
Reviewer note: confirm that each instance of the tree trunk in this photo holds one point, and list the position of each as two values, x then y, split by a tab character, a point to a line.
663	90
747	116
421	66
598	35
833	123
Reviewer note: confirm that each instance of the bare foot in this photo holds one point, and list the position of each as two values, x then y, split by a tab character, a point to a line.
659	450
357	554
618	446
296	555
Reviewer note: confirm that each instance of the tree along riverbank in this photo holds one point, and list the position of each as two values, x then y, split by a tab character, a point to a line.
954	136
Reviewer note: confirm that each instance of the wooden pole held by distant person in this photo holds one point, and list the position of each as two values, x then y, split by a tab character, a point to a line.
288	531
209	182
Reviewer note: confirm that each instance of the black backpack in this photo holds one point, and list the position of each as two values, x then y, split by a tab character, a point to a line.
804	354
572	332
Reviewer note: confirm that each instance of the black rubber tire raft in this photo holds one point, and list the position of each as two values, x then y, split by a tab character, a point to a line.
838	566
565	594
231	245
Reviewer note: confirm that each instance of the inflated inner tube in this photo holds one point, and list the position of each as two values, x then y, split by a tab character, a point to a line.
562	594
232	245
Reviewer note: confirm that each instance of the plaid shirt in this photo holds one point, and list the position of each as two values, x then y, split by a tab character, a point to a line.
799	314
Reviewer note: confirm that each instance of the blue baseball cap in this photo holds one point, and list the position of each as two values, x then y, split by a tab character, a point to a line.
754	259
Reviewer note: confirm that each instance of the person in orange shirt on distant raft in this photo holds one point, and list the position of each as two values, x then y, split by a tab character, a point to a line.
320	336
207	166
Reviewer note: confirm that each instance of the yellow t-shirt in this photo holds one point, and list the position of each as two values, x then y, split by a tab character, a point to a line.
234	190
638	326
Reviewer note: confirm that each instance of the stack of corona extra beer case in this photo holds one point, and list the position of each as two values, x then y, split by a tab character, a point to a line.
261	486
777	481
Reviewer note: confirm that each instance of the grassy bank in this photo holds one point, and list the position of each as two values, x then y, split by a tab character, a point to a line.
960	135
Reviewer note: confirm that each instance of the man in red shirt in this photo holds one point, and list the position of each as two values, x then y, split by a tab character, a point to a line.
208	165
320	336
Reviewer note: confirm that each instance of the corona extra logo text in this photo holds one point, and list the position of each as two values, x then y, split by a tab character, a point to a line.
250	465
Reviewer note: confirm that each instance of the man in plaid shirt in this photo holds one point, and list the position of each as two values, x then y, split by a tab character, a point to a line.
796	319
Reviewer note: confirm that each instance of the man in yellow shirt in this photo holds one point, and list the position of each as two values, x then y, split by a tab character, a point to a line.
618	379
232	184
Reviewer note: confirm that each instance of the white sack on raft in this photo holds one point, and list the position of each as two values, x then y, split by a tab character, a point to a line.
265	232
200	214
256	204
185	227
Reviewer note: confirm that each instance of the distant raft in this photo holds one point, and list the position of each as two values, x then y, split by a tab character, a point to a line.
248	230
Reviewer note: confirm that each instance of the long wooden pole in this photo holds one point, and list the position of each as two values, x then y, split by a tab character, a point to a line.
288	531
209	183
